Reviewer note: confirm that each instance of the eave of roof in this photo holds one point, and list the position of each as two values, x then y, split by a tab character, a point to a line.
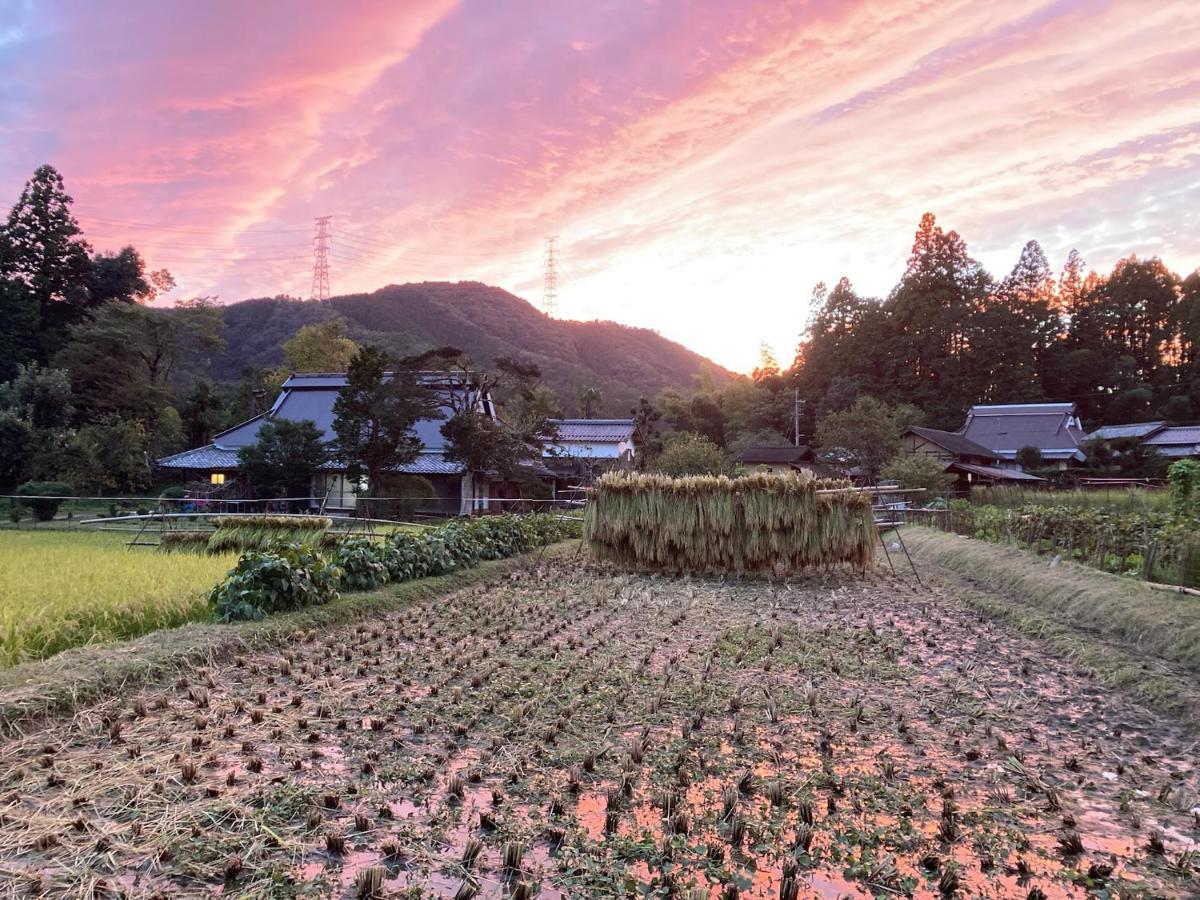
953	441
994	472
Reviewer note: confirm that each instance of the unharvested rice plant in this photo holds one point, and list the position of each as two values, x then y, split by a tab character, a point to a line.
571	731
774	524
61	589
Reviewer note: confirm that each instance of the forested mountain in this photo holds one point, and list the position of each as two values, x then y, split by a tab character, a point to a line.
623	363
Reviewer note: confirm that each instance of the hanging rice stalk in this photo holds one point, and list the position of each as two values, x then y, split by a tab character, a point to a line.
183	541
259	532
756	523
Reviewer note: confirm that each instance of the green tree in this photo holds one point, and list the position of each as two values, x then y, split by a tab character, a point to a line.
589	401
1177	409
37	408
110	454
203	413
1029	458
166	435
375	412
687	453
917	470
122	277
647	438
865	436
933	310
48	256
499	446
16	443
320	347
284	459
1125	457
123	358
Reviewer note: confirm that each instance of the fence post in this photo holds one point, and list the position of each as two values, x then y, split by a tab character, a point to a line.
1148	560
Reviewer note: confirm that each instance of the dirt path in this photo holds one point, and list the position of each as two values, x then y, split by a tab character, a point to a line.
580	733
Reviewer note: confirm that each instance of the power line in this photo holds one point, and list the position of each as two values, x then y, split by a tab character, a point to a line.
550	279
189	230
320	278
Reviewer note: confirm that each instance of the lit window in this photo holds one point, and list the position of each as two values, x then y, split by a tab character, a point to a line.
217	478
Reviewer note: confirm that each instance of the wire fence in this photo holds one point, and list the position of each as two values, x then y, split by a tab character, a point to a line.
109	512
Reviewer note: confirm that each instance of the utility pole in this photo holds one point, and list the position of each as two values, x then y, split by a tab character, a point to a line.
797	406
322	234
550	283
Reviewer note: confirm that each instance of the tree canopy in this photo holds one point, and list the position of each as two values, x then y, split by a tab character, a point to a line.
284	458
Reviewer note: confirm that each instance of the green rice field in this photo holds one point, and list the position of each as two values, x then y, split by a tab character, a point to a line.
63	589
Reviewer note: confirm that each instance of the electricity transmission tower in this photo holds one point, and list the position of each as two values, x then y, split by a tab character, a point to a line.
321	238
550	285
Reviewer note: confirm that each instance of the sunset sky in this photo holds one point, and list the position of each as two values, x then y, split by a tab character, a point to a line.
704	163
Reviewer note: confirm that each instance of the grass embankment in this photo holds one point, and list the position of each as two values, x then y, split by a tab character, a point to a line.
62	589
1141	639
87	673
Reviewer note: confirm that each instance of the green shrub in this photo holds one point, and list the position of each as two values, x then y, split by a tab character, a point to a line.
287	577
362	563
43	497
404	556
293	575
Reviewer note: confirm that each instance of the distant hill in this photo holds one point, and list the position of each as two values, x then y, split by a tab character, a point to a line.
622	362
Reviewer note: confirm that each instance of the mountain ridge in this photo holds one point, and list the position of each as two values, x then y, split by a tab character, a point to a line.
623	362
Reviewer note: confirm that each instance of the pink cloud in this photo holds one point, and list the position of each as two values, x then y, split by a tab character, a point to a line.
689	155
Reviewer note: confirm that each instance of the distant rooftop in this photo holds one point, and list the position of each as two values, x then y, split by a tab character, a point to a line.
953	441
1131	430
1176	441
1006	428
767	456
597	430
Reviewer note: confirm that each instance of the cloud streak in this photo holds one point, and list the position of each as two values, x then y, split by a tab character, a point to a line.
703	162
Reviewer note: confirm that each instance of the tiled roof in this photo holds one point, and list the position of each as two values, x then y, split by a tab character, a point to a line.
1133	430
206	457
1023	409
1051	427
210	458
953	441
1176	441
753	456
311	396
1176	434
600	430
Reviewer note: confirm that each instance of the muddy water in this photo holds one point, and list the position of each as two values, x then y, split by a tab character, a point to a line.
575	732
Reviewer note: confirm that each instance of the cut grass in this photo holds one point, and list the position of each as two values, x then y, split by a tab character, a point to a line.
1143	640
62	589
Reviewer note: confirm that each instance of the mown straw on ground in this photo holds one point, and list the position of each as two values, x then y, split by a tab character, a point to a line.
1143	640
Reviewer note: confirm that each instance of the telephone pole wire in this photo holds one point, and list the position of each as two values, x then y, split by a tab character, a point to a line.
322	235
550	284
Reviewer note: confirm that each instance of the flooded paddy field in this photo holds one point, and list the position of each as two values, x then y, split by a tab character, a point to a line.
573	732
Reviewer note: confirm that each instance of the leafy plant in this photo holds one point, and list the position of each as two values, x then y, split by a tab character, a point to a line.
284	578
362	564
1184	478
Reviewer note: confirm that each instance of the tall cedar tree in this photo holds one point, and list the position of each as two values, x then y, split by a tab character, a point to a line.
47	256
375	413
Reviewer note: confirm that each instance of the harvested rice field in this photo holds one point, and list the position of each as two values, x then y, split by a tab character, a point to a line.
572	732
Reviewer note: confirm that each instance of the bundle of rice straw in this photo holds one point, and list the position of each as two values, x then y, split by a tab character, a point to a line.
766	523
